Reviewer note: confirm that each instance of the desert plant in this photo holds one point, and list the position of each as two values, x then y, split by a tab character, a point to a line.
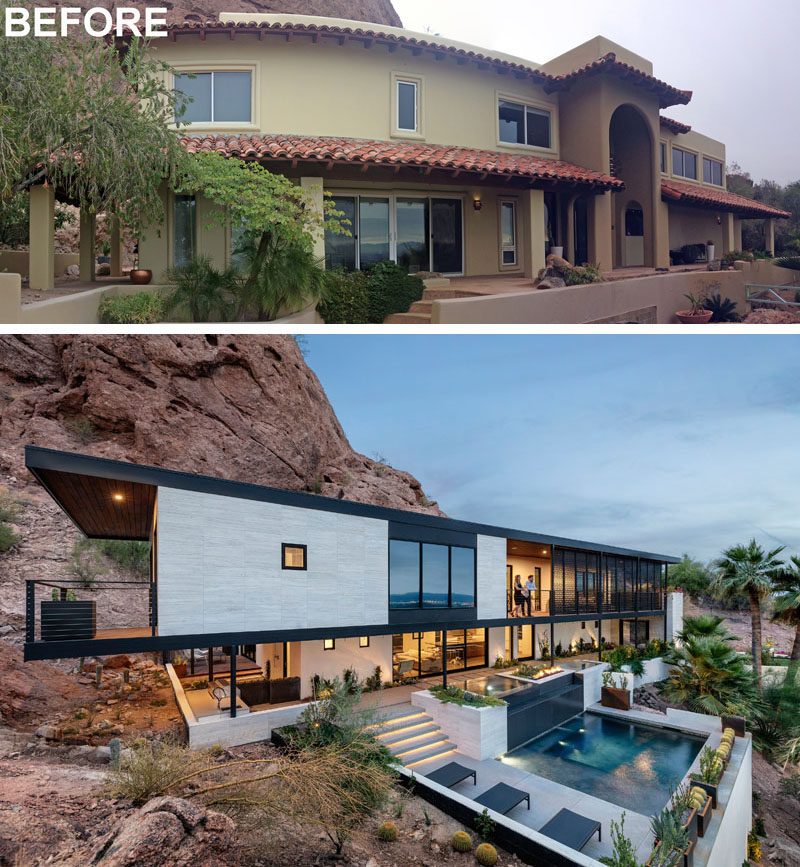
387	832
710	766
790	786
722	309
623	852
141	308
486	855
582	274
131	555
115	749
753	847
749	569
84	563
485	825
696	303
82	428
461	841
786	608
374	681
10	513
671	836
202	290
790	262
636	666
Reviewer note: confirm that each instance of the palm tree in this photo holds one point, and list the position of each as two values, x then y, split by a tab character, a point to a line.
747	570
704	625
787	608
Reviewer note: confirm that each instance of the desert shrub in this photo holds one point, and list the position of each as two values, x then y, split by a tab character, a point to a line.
387	832
84	564
584	274
82	428
143	308
485	825
455	695
134	556
346	298
391	290
201	290
790	786
8	538
723	309
10	513
623	852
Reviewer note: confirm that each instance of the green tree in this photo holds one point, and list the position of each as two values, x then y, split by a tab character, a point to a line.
689	575
279	223
787	608
93	121
749	569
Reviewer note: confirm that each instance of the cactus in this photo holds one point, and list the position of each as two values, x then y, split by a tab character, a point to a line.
387	832
98	674
486	855
461	841
697	797
115	746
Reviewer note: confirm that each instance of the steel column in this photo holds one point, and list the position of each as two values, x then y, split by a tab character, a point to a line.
30	611
211	666
444	657
234	649
552	644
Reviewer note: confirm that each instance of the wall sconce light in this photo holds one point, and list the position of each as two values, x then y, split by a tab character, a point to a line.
119	498
719	220
477	204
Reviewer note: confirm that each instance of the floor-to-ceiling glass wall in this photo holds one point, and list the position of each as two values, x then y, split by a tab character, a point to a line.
419	654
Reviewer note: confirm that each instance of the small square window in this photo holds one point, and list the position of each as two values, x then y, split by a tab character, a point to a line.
329	644
363	641
293	556
583	624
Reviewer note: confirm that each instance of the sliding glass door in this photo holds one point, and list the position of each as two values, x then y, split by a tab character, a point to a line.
419	654
420	233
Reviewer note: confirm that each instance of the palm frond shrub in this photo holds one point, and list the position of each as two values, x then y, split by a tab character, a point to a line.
722	309
790	262
200	289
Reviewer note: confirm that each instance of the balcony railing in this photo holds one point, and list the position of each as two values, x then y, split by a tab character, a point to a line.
57	610
596	603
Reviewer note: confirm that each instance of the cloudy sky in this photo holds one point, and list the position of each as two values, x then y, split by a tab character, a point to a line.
667	444
739	57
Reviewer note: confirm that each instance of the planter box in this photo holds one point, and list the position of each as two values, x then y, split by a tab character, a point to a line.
711	788
67	621
619	699
686	861
478	732
691	825
737	723
704	817
179	668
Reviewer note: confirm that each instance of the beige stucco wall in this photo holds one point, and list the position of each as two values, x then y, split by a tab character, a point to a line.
577	304
695	226
10	295
18	261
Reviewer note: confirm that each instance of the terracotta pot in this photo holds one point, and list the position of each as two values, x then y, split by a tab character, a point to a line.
141	276
179	668
689	318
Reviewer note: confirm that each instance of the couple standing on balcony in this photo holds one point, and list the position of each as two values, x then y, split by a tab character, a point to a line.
523	596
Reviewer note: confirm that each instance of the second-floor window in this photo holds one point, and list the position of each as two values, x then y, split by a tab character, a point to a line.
712	171
424	575
684	164
223	96
523	124
407	106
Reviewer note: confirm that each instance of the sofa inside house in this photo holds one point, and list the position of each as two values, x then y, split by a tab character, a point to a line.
260	690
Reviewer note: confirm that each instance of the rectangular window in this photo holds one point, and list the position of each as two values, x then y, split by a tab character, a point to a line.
407	106
329	644
523	124
684	164
663	158
435	568
403	574
184	235
508	232
462	577
363	641
293	556
216	97
712	171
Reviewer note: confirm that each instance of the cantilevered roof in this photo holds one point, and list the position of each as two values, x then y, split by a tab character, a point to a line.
84	486
718	200
395	154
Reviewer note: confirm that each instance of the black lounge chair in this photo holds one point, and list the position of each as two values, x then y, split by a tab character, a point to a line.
502	798
451	773
571	829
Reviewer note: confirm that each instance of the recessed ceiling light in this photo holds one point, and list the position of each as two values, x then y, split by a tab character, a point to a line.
119	498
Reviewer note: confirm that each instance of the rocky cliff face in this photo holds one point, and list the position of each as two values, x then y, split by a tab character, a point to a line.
373	11
239	407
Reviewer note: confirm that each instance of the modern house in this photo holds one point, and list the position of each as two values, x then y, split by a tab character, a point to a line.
315	585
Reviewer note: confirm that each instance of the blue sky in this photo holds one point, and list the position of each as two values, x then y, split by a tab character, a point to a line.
663	443
738	57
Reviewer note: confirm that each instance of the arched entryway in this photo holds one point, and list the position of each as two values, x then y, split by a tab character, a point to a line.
631	148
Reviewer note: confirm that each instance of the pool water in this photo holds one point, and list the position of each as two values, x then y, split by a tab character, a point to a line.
492	684
629	765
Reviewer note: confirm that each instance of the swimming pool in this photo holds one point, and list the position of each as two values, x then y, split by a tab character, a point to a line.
492	684
629	765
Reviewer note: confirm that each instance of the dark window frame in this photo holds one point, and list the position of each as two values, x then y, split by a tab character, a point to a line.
526	107
419	606
304	548
712	163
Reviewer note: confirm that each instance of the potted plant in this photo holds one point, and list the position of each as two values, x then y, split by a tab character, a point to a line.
140	276
105	253
696	314
672	846
179	665
66	618
711	768
612	695
700	801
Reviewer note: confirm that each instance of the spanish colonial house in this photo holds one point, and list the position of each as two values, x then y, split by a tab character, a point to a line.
447	157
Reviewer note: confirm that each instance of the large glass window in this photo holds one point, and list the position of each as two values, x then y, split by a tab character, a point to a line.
521	124
663	149
684	163
373	225
184	234
413	252
462	577
403	574
435	577
407	105
712	171
508	232
216	97
340	250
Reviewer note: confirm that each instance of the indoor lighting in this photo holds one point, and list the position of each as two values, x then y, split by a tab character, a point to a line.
119	498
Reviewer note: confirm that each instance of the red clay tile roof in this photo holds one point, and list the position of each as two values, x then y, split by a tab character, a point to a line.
674	125
720	200
365	152
667	94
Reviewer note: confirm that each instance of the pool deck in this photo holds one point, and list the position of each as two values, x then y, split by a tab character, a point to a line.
548	797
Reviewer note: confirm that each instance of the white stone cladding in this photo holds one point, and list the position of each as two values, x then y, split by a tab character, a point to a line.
674	614
219	566
491	577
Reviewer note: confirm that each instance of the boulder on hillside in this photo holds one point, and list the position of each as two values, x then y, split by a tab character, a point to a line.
121	660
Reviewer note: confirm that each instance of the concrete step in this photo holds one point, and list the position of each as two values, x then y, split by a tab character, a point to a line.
421	307
407	319
435	294
436	282
436	752
400	725
413	750
396	711
408	734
